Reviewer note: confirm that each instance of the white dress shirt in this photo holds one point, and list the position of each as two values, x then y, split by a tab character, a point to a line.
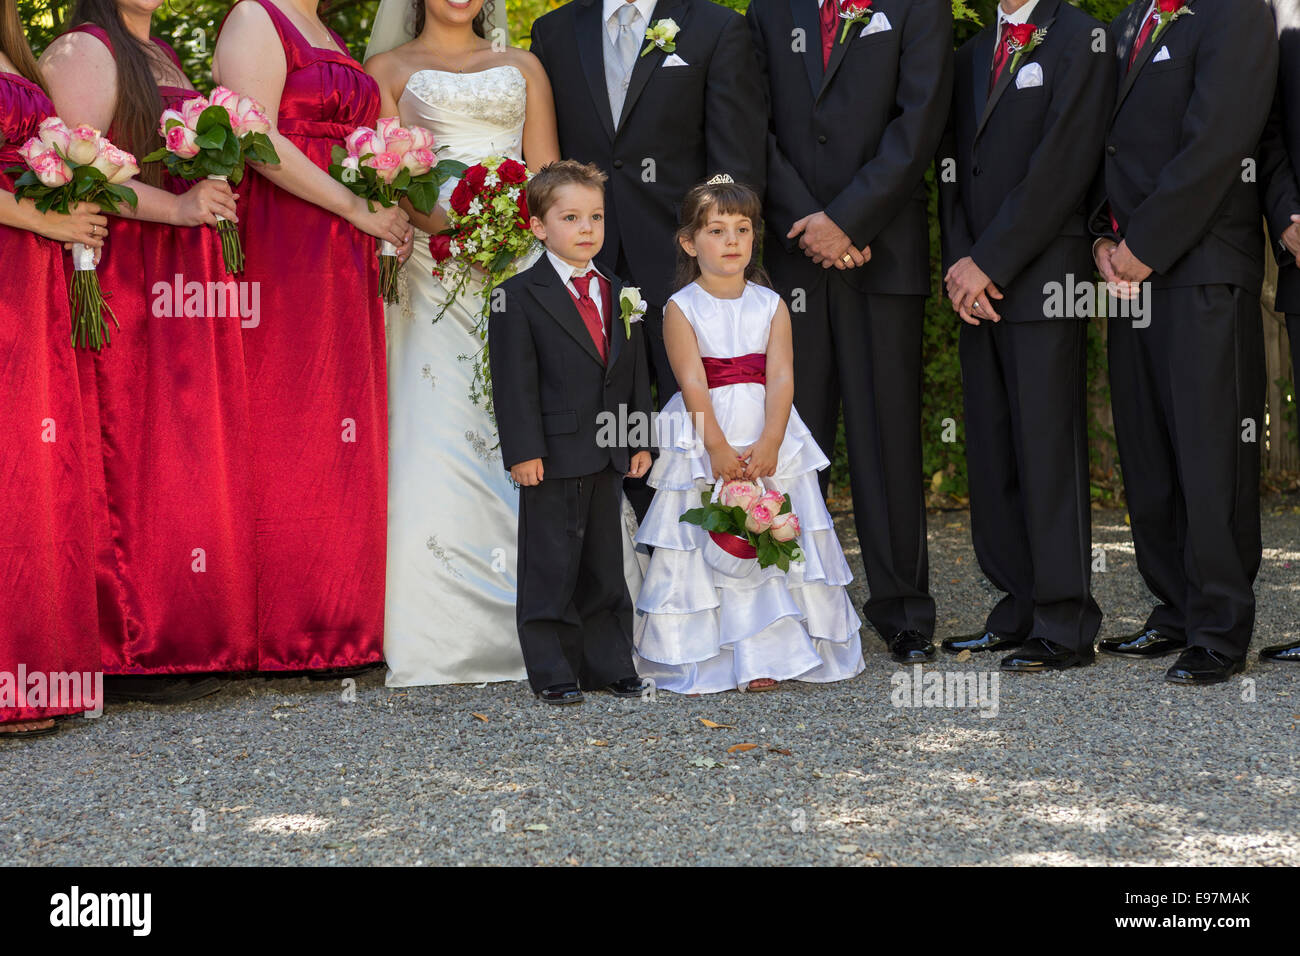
566	273
1020	16
645	8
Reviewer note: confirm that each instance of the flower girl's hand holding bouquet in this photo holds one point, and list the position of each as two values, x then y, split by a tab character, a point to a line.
384	164
748	523
212	138
68	166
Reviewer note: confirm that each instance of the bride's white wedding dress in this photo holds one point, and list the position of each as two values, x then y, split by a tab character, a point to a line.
452	509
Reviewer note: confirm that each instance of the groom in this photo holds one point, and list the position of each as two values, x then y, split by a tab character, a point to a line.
658	120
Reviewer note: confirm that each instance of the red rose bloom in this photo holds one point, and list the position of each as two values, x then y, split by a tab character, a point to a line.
1018	35
524	217
461	197
440	248
511	171
852	9
475	176
1170	6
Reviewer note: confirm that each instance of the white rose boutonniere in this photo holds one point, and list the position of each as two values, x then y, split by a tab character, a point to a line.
661	34
632	306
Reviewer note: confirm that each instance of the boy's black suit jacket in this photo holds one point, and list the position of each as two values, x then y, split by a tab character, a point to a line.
549	385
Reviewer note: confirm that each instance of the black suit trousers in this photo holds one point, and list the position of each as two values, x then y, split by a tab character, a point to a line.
573	611
1188	398
865	351
1024	385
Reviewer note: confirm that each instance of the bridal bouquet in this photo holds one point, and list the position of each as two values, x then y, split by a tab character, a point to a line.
212	138
386	163
489	232
67	166
745	523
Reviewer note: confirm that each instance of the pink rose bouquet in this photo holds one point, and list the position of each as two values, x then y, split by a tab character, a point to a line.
213	138
71	165
748	523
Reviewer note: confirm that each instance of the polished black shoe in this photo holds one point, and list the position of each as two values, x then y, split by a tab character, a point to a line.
160	688
988	641
628	687
1143	644
1288	653
910	647
561	694
1037	655
1201	666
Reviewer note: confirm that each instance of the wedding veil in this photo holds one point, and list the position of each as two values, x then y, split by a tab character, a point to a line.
395	22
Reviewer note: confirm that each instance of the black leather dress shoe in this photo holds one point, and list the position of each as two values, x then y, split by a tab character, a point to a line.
1289	653
1200	666
1037	655
910	647
561	694
160	688
1144	644
628	687
988	641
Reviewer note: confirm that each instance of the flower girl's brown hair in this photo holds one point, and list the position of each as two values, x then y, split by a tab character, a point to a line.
728	198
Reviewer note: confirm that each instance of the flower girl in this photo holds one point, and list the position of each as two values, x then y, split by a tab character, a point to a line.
711	619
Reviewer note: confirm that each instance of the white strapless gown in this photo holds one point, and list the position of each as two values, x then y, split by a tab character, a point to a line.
453	512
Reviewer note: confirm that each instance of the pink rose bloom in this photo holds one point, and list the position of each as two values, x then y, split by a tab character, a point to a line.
192	109
397	140
772	501
361	141
759	519
182	141
51	170
387	165
385	127
785	527
169	116
54	134
123	163
738	494
251	118
32	149
419	161
225	98
351	162
421	138
83	145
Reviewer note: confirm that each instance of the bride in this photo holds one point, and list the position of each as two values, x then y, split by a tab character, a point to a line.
452	509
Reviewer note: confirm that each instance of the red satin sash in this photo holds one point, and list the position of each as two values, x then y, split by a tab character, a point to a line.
734	545
736	371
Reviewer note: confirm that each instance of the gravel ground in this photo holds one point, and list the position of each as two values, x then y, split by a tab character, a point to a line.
1105	765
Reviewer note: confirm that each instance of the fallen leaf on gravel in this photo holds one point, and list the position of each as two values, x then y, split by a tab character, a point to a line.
963	656
707	762
712	726
778	750
740	748
480	717
598	743
539	827
818	773
847	848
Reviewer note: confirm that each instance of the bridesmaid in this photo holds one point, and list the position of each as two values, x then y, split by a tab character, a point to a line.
166	402
47	604
315	362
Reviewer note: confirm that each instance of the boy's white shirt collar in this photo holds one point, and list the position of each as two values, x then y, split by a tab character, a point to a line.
1020	16
566	273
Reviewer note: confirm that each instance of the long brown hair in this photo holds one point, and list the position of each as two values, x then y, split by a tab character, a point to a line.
13	43
139	103
730	199
480	21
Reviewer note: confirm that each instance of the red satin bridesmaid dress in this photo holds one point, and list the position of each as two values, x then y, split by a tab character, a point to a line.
317	386
47	602
167	405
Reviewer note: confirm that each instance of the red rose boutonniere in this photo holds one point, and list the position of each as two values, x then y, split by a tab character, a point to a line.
1022	39
854	12
1167	11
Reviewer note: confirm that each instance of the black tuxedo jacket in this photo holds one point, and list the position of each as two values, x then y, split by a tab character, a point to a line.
1015	195
855	140
549	385
1279	152
693	121
1182	133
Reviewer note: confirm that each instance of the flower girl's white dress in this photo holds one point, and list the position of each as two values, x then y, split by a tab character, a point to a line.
699	631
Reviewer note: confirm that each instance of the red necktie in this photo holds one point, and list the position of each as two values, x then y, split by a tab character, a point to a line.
1142	39
587	309
829	18
1000	56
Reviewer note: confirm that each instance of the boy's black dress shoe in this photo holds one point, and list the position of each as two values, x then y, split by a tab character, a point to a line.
561	694
910	647
1144	644
1290	653
1201	666
988	641
628	687
1037	655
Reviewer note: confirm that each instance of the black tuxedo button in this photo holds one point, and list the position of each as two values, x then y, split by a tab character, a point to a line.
1111	150
821	138
618	164
975	170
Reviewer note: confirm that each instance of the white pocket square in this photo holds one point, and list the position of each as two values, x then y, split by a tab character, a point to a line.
1029	75
879	24
1163	55
675	60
